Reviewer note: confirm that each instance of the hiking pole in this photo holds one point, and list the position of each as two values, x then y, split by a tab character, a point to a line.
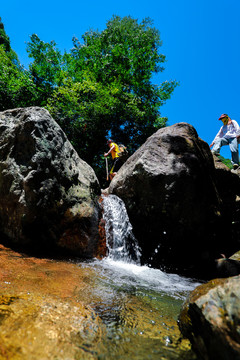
106	167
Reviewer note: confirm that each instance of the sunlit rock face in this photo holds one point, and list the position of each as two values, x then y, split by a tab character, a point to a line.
47	193
170	192
210	319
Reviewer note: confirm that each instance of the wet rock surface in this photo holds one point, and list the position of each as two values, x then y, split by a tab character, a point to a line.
227	267
211	319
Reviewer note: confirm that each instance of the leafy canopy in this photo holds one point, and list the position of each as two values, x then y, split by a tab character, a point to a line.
102	87
16	87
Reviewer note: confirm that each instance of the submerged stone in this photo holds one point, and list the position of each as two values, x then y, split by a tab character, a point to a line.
41	315
67	310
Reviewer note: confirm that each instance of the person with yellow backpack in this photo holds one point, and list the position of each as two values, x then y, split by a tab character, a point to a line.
116	152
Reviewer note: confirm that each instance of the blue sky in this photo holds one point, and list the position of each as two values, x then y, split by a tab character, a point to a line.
201	41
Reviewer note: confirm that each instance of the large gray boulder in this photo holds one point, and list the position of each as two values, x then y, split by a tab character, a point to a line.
48	195
210	319
170	192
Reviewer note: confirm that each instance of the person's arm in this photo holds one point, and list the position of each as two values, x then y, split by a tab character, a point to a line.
112	148
236	128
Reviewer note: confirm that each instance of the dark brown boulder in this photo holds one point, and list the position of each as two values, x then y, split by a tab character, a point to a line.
227	266
48	195
170	192
228	185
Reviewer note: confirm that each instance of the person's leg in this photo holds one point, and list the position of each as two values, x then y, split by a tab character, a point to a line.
218	144
113	169
116	166
233	144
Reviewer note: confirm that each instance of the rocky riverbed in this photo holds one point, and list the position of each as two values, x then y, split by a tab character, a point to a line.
60	309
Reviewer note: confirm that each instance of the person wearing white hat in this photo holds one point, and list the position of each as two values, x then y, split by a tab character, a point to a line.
227	135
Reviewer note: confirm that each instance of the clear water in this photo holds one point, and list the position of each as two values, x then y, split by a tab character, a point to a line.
139	305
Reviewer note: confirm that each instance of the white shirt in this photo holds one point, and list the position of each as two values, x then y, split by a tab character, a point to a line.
228	131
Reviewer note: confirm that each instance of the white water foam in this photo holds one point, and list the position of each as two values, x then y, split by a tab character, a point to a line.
143	277
124	256
121	242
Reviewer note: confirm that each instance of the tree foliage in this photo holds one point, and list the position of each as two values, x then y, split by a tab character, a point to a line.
16	87
127	54
46	68
102	87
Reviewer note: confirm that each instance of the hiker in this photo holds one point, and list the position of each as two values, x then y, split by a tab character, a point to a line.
227	135
116	161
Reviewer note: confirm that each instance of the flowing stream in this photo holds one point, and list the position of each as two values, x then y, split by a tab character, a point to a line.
139	305
121	242
111	309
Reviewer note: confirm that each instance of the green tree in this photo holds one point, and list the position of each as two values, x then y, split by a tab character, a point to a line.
84	110
4	39
46	68
103	86
5	43
128	53
16	86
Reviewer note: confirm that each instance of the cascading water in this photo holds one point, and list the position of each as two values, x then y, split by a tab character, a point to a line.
124	255
121	243
138	305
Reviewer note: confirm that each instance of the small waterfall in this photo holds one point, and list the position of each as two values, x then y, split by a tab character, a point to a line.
122	244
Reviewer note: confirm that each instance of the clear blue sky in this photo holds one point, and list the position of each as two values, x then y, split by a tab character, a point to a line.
201	41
